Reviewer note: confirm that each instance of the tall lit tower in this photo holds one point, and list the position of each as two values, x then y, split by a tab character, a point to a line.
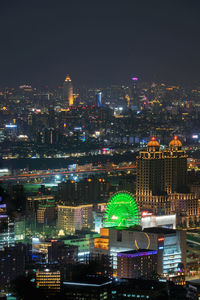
99	96
135	100
68	90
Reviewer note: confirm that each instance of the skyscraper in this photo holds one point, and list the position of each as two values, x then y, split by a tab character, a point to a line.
7	234
161	184
72	218
150	183
160	172
68	91
99	96
134	93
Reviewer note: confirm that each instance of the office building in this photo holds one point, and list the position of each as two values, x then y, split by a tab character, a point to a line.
161	183
49	281
135	264
139	289
72	218
90	288
186	206
46	212
150	180
7	232
135	99
20	228
171	166
84	242
3	209
61	254
33	202
41	246
68	91
99	99
87	190
12	264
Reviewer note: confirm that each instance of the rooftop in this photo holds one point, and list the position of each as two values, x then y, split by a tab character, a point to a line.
175	142
195	282
141	284
159	230
131	228
153	142
136	253
88	282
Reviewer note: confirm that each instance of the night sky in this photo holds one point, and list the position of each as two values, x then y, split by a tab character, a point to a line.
99	41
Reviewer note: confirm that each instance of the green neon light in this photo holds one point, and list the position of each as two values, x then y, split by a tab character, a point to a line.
122	210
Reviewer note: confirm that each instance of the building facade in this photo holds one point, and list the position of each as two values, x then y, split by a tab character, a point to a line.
137	264
72	218
161	184
48	280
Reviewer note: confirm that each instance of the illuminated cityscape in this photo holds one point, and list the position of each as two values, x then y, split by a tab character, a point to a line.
100	150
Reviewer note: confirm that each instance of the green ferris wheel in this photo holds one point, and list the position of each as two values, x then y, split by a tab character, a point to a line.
122	211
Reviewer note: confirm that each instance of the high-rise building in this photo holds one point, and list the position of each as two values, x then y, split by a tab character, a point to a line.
161	181
46	213
72	218
68	91
7	233
48	280
186	206
33	203
134	93
20	228
99	98
12	264
137	263
175	168
161	172
88	190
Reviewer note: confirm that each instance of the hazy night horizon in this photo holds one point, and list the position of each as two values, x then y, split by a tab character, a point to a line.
105	41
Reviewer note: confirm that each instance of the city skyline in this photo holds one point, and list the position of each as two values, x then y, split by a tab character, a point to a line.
99	150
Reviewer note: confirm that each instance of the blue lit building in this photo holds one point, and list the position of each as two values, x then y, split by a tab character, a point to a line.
135	264
7	233
99	98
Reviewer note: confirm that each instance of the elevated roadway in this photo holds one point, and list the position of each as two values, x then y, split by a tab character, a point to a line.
49	173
